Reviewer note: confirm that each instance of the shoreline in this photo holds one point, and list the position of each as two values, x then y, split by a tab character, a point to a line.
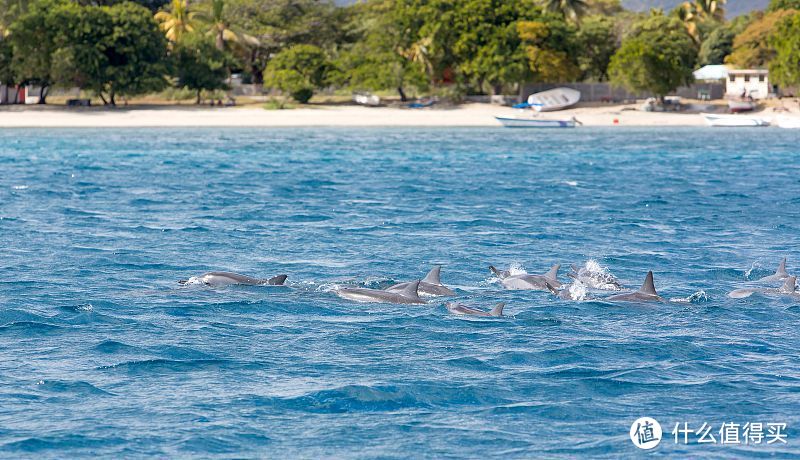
466	115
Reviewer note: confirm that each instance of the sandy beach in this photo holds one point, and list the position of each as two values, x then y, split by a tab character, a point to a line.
467	115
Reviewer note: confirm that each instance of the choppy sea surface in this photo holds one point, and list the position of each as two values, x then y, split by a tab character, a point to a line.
103	354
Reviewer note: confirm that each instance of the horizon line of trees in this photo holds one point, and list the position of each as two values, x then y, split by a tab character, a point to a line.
127	48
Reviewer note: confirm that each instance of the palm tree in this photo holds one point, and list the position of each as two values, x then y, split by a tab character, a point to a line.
572	10
178	21
694	13
220	27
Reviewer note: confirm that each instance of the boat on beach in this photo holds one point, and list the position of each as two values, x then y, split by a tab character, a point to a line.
525	122
738	106
788	122
734	121
554	99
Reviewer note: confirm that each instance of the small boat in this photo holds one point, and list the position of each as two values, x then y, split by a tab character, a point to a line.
788	122
738	106
523	122
554	99
367	99
734	121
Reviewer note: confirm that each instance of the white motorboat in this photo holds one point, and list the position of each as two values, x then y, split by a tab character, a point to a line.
734	121
525	122
788	122
554	99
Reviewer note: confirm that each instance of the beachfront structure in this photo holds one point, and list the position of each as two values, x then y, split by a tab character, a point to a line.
749	83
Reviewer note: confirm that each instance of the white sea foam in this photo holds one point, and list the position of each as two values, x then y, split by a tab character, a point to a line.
699	296
596	276
577	290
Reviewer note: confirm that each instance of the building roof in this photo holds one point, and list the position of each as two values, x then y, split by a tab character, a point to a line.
711	72
749	71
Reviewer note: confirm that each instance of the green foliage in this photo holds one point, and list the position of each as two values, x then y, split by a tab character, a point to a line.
571	10
775	5
199	65
751	48
717	45
597	42
7	76
658	57
784	68
551	48
33	43
298	71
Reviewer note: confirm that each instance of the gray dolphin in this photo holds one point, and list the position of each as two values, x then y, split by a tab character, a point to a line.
779	275
430	285
407	295
500	273
647	293
228	278
461	309
789	288
529	282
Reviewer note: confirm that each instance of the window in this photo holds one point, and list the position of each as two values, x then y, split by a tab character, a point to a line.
732	78
761	78
746	78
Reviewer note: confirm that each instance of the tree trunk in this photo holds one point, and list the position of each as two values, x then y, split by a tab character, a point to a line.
112	98
105	102
43	94
403	97
198	98
220	40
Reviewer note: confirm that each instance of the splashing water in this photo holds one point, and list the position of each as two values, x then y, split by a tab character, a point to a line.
697	297
578	290
596	276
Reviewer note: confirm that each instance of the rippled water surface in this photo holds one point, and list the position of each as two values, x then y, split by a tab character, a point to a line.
102	353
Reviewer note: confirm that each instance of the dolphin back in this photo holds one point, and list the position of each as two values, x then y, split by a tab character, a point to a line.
277	280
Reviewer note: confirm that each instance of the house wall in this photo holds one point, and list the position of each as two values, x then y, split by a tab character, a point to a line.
758	85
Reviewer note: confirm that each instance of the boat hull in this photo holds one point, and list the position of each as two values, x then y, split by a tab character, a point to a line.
554	99
741	106
734	121
533	123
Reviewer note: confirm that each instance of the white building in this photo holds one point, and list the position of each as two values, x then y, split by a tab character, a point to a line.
748	83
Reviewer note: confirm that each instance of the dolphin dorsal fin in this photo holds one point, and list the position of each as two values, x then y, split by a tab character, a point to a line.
496	272
553	273
550	288
498	309
277	281
433	276
648	287
782	268
790	285
411	290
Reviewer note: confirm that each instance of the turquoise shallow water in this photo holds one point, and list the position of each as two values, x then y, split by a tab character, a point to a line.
103	354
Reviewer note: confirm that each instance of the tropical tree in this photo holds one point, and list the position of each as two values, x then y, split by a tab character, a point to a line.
550	47
571	10
657	57
199	65
775	5
178	21
298	70
751	48
784	68
697	13
716	47
219	26
597	41
32	41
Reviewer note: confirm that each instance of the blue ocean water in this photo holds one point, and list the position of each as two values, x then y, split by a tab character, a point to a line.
103	354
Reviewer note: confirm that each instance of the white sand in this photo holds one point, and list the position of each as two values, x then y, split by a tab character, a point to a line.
464	115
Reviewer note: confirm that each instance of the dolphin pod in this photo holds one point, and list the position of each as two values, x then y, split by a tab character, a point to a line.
431	286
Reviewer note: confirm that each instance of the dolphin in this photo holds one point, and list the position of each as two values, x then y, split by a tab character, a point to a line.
228	278
407	295
431	285
500	273
529	282
647	293
789	288
779	275
461	309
